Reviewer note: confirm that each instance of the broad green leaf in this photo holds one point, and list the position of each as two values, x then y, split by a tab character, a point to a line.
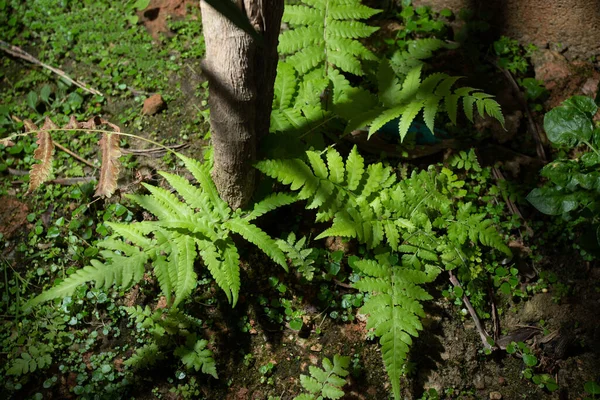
567	126
552	201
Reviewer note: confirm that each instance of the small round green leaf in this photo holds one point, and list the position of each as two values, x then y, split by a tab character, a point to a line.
529	360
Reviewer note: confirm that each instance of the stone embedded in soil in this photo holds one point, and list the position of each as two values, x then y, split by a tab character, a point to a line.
479	382
153	104
316	347
495	396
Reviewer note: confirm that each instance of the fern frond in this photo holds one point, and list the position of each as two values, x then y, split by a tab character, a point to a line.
255	235
146	355
324	34
327	382
270	203
202	174
418	95
224	275
231	267
394	309
104	275
185	254
192	195
162	270
195	355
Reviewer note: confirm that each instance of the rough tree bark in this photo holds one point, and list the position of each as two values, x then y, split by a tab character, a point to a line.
240	75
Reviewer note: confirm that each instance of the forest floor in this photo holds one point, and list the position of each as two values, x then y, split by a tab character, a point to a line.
552	306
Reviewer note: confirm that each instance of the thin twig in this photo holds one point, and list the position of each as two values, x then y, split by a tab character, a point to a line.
142	152
495	319
482	333
72	181
511	205
69	152
533	127
20	53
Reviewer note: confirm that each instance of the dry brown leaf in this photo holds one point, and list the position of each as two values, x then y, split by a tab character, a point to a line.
40	172
7	142
109	172
72	124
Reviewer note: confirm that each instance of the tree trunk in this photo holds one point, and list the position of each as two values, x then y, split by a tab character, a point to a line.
240	75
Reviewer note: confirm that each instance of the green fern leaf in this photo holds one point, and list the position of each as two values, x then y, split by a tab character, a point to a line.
186	277
202	174
300	14
443	89
192	195
451	103
351	11
289	172
163	276
96	272
255	235
410	86
336	166
270	203
146	355
394	309
317	164
285	86
297	39
355	168
223	276
231	266
350	29
408	115
307	59
130	232
342	226
430	109
195	355
385	117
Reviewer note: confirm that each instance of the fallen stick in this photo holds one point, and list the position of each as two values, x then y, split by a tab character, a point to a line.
20	53
478	325
533	127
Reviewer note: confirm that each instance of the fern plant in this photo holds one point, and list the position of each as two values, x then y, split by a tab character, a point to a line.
162	326
194	221
326	382
299	255
404	100
415	54
394	307
417	218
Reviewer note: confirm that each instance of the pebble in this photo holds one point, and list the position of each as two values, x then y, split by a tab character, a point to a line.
316	347
495	396
153	104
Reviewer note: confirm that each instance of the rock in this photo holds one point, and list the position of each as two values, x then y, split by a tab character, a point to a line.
495	396
316	347
153	104
539	307
479	382
550	66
